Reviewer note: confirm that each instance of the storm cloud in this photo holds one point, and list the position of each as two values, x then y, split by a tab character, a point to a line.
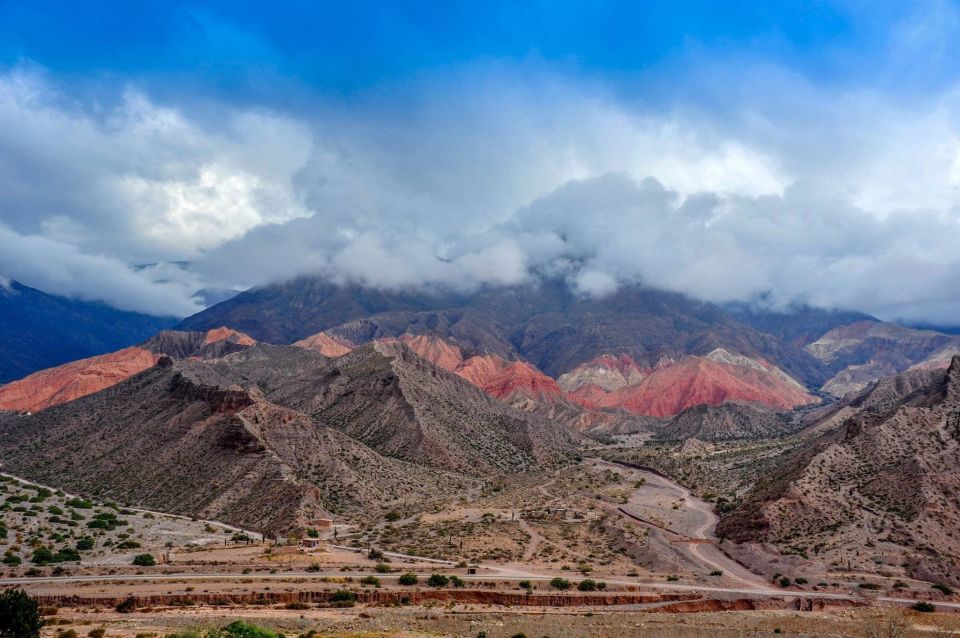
751	181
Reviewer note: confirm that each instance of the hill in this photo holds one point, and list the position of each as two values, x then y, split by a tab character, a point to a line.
39	330
271	436
876	487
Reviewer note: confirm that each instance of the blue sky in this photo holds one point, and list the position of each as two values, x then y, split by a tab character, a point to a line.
789	151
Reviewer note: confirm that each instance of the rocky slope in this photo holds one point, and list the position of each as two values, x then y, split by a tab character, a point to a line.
271	436
38	330
878	487
864	351
73	380
386	396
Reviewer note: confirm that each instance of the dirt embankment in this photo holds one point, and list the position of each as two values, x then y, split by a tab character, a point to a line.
370	597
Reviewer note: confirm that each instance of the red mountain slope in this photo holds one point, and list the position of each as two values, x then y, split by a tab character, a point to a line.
711	380
326	345
73	380
227	334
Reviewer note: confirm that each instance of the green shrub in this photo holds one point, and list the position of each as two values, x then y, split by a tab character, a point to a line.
19	615
456	581
438	580
943	588
370	580
144	560
85	544
587	584
716	572
525	584
240	629
784	581
408	579
923	606
97	632
128	544
560	583
66	554
42	556
382	568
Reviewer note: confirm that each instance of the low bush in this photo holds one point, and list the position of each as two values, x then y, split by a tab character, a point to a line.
438	580
560	583
408	579
144	560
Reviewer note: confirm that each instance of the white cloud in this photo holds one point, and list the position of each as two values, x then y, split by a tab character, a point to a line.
831	196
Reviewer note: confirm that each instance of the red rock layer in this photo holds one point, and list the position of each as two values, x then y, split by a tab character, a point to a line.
522	379
326	345
74	380
670	389
223	333
435	350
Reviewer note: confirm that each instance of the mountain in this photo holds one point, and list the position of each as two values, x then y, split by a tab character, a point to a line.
877	485
674	386
38	330
543	323
861	352
403	406
272	436
73	380
798	324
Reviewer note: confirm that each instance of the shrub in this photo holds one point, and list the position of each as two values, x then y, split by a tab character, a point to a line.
11	559
923	606
343	596
42	556
560	583
144	560
587	585
86	543
456	581
945	589
312	533
97	632
19	615
296	604
240	629
314	567
127	605
438	580
800	580
525	584
408	579
128	545
673	578
375	554
370	580
716	572
66	633
382	568
784	581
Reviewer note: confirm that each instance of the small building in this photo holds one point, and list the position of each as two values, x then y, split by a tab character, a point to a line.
312	543
320	523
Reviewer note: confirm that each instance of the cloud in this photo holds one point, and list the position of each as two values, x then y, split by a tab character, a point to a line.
754	182
60	268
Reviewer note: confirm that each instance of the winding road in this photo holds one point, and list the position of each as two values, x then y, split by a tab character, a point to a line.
699	525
